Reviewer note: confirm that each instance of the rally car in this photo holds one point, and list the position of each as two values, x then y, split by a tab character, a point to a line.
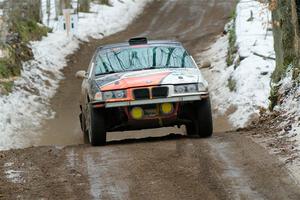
143	84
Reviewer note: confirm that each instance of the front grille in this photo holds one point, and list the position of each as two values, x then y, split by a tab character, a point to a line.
160	92
141	94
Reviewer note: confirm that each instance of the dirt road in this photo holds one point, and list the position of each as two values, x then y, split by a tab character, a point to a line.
226	166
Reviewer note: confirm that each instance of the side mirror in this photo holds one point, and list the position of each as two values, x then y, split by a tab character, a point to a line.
81	74
206	64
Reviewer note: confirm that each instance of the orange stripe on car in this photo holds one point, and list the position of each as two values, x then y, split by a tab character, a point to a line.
132	82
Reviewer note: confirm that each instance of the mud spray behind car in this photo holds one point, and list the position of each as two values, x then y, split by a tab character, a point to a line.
143	84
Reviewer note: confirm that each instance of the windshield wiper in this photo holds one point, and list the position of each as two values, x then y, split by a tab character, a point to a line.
154	67
163	67
110	72
179	67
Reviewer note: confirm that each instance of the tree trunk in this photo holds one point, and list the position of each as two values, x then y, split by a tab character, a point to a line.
48	11
84	5
62	4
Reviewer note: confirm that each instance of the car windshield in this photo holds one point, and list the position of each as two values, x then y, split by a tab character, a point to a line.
140	58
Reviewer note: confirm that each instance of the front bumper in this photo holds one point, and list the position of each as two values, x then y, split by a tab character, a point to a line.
152	101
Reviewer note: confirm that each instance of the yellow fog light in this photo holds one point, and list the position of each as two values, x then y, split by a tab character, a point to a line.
137	113
166	108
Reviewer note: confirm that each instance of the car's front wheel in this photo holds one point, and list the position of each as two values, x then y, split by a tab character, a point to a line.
96	130
84	129
201	124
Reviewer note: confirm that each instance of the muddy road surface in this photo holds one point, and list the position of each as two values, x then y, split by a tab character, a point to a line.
168	166
227	166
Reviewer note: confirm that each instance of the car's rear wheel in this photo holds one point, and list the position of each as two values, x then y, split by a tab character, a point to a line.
201	124
96	130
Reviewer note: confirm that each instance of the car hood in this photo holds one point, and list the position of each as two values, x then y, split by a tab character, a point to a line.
145	78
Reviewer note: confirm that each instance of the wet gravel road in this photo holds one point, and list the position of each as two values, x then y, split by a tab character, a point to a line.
227	166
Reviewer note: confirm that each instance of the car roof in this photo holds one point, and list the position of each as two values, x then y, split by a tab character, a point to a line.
149	42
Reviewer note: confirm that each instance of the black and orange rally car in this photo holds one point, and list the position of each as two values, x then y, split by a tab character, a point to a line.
143	84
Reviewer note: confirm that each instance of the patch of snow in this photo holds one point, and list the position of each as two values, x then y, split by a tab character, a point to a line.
252	75
14	176
94	177
1	53
219	73
8	164
290	105
295	172
22	112
49	16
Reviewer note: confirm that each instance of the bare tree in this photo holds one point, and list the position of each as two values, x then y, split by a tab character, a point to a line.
24	10
48	8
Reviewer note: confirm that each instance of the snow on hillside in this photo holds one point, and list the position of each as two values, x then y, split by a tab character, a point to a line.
24	109
249	77
289	108
252	77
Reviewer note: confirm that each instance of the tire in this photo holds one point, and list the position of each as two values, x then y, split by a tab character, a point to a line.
96	130
82	123
201	124
84	129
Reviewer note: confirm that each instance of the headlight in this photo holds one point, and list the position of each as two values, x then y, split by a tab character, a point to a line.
117	94
192	88
137	113
188	88
108	95
180	89
120	94
166	108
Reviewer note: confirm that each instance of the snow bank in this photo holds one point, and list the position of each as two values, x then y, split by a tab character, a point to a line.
290	106
22	112
218	74
250	75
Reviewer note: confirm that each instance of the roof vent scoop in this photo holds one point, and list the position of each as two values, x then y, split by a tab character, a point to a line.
137	41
